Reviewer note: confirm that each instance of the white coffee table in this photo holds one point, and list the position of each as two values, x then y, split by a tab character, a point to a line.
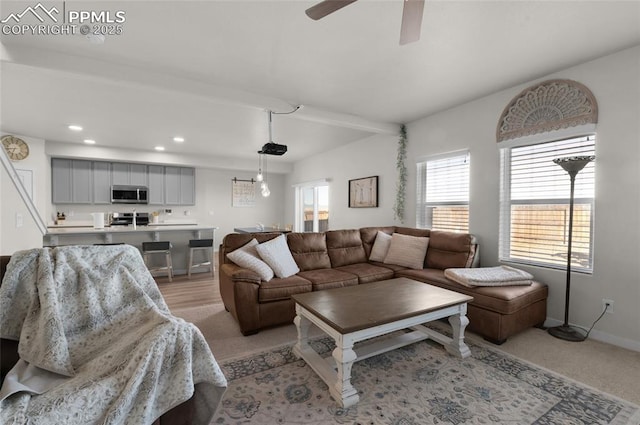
357	313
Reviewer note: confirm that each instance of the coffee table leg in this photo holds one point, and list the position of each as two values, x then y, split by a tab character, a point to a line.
343	391
302	325
457	347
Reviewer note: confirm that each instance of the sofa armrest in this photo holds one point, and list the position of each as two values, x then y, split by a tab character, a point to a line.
239	274
239	290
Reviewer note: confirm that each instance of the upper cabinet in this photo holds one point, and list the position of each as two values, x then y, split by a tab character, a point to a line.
179	186
89	182
101	182
129	174
71	181
156	184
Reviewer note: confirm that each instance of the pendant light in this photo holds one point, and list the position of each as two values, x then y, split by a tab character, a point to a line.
265	184
270	148
260	176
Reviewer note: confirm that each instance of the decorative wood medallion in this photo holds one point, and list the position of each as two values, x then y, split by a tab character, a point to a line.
550	105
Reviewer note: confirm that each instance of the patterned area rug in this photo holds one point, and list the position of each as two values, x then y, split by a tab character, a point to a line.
415	385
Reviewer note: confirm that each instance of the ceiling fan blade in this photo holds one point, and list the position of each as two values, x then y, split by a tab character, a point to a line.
326	7
411	21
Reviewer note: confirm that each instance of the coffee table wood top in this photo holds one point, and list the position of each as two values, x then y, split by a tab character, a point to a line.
363	306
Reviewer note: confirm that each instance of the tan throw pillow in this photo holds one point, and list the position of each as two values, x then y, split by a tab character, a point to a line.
247	256
407	251
277	255
380	247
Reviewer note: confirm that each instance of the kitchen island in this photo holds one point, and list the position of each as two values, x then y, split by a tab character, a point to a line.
178	234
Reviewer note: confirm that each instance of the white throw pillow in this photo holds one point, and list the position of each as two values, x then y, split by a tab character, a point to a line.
247	256
380	247
277	255
407	251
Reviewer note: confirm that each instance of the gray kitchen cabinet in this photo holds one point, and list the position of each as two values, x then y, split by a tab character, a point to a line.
179	186
187	186
156	184
89	182
72	181
101	182
129	174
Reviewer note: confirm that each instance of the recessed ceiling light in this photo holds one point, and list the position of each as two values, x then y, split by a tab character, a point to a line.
74	127
90	141
178	139
159	148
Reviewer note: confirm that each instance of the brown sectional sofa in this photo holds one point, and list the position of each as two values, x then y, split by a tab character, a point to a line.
339	258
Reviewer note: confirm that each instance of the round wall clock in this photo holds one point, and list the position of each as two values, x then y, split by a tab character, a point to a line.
16	148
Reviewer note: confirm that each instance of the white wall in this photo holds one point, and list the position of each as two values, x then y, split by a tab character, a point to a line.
373	156
616	86
13	238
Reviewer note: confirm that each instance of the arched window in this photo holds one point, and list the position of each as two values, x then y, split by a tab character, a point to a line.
552	119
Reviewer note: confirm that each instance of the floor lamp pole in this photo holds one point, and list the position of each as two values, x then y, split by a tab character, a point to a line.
571	165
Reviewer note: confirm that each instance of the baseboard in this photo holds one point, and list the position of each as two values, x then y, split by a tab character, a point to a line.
597	335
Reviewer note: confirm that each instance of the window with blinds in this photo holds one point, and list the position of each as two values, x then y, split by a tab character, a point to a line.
443	192
534	205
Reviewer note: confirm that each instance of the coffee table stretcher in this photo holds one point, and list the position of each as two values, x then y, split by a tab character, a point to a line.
335	370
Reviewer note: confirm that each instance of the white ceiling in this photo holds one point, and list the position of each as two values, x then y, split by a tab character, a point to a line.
208	70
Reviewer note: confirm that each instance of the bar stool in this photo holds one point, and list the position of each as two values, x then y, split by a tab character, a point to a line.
205	245
149	249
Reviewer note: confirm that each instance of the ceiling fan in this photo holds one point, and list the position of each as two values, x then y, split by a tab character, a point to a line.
411	16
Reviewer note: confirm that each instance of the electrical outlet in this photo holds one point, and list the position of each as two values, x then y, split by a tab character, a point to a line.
608	305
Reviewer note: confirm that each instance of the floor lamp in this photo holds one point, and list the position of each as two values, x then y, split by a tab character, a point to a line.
571	165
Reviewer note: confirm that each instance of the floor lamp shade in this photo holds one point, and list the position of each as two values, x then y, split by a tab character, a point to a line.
571	165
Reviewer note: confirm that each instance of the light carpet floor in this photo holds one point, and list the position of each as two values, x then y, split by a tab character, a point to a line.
605	367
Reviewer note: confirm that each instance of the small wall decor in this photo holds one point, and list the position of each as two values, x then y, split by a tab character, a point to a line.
398	208
363	192
243	193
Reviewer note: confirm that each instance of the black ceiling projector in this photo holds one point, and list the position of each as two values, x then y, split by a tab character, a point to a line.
273	149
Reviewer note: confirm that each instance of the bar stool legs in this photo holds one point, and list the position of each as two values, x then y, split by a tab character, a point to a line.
204	245
149	249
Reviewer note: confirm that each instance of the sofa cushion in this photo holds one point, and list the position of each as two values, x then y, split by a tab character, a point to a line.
408	251
345	247
329	278
380	247
367	272
247	256
368	236
277	255
392	267
412	231
309	250
233	241
282	288
449	249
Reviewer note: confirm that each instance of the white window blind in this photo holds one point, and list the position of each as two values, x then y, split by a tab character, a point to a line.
534	213
443	192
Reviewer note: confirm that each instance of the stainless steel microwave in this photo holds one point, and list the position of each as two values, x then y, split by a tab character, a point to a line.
121	194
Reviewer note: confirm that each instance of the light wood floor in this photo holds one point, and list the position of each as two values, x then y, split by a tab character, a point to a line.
183	292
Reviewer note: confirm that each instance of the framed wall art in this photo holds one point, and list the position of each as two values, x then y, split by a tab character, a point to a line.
363	192
243	193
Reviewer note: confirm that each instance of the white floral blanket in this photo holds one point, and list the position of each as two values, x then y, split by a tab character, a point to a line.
489	276
94	316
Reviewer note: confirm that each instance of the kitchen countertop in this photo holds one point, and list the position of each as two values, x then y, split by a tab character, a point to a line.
160	227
